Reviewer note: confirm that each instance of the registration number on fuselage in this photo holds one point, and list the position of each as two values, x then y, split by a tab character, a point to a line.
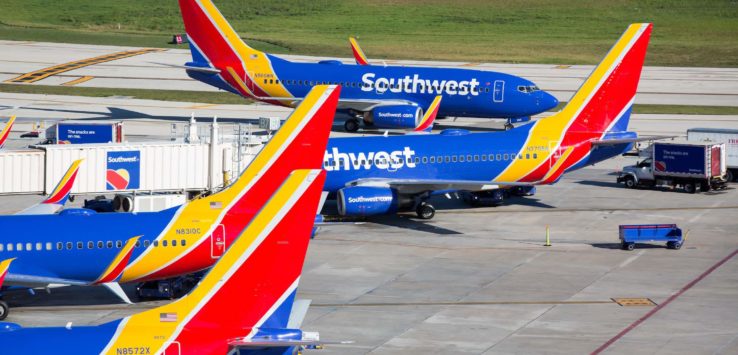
133	350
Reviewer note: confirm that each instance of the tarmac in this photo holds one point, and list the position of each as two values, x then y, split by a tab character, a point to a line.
472	280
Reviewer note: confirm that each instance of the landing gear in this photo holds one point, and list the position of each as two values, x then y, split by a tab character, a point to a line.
509	126
425	210
4	309
351	125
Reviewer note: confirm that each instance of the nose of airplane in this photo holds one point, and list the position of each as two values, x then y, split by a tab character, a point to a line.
546	101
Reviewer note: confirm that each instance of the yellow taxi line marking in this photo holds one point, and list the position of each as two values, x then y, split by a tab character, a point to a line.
78	80
56	69
470	65
202	106
562	67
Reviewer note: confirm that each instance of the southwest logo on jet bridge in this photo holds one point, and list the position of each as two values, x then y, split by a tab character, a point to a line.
123	170
334	160
416	84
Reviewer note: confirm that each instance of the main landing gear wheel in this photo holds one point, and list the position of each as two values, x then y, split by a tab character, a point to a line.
351	125
4	310
425	211
509	126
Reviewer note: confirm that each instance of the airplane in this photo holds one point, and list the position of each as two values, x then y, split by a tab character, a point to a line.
58	197
5	132
378	97
242	305
388	174
135	247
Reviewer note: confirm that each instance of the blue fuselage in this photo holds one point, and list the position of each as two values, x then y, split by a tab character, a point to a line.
472	93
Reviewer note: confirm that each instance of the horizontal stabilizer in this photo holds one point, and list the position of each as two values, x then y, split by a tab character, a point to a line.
208	70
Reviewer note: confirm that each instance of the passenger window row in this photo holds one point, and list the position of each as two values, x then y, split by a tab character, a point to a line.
350	84
439	159
89	245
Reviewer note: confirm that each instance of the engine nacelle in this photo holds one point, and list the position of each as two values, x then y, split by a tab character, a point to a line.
394	116
366	201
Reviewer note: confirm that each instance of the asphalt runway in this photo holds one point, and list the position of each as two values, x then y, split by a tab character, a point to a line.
149	70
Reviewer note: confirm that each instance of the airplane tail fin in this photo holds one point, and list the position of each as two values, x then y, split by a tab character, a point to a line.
5	132
60	194
426	123
251	288
600	106
214	39
299	144
217	49
358	53
603	103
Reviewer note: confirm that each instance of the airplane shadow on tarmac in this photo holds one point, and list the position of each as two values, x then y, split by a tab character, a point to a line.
115	113
67	296
637	246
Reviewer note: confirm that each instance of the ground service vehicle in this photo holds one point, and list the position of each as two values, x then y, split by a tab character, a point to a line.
630	234
720	135
688	165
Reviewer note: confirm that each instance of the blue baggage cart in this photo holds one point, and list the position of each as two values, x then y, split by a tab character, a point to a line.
630	234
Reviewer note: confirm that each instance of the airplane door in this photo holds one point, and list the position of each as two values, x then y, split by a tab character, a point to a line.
217	242
173	348
498	92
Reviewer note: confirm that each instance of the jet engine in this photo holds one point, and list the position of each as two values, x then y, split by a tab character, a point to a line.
370	200
394	116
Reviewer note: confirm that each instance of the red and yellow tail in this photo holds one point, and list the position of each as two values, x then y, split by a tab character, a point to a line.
604	101
254	278
5	132
61	192
215	44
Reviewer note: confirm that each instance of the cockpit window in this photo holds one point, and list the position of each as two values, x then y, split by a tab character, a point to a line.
528	88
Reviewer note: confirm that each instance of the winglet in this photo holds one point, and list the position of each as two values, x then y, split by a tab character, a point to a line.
60	194
4	267
426	124
358	53
115	269
6	131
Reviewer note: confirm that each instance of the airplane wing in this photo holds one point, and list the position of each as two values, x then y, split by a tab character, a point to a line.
5	132
59	196
415	186
629	140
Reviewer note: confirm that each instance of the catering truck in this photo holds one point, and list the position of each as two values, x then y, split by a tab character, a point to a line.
85	132
720	135
689	165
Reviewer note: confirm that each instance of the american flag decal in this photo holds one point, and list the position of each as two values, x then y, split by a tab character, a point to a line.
167	317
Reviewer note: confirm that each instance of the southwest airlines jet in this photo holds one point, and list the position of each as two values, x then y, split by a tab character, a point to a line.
130	247
381	97
5	132
376	175
242	306
59	196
